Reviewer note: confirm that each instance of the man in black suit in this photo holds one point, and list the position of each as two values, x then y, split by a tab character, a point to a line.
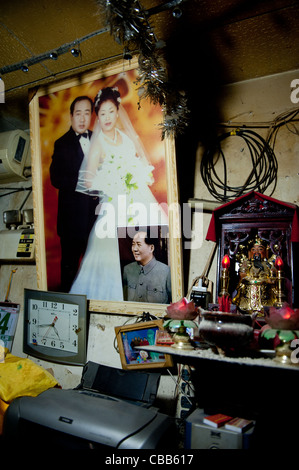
76	211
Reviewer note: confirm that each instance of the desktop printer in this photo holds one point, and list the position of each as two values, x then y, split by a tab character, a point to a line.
88	418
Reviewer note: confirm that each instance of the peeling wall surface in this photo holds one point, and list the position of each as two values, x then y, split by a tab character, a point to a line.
256	101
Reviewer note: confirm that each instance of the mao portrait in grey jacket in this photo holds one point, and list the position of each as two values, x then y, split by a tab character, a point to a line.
146	279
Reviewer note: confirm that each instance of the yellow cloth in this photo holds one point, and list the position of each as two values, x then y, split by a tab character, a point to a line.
3	407
21	377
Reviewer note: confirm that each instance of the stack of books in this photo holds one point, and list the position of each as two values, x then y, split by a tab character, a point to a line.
232	424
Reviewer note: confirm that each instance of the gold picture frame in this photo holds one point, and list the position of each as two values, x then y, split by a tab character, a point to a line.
140	334
49	113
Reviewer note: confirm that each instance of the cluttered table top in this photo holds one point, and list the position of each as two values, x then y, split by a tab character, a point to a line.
266	358
271	341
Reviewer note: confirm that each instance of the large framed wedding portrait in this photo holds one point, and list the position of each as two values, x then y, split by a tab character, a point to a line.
105	196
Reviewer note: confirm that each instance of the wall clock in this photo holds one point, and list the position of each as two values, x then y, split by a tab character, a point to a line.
55	326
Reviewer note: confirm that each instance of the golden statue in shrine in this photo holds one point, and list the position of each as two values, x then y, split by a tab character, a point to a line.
260	282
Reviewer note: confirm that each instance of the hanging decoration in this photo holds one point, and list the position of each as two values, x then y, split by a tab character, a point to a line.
129	25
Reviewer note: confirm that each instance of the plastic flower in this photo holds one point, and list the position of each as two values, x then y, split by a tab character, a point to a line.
284	318
182	310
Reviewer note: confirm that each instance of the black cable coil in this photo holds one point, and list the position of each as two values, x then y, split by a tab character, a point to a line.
263	172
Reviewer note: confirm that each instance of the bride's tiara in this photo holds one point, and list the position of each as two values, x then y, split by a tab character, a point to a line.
98	97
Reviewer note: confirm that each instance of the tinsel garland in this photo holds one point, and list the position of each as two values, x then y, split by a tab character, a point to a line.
130	27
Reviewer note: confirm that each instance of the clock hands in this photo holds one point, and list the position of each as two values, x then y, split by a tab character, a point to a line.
51	325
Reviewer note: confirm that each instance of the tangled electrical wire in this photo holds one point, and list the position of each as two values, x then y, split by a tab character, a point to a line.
263	160
285	119
263	172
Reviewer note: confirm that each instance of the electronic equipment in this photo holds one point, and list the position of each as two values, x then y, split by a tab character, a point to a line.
14	151
133	385
200	295
17	245
84	418
12	218
18	219
202	436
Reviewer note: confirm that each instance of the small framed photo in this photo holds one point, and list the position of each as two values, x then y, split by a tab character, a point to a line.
140	334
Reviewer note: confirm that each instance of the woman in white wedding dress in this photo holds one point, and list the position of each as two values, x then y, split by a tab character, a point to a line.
117	170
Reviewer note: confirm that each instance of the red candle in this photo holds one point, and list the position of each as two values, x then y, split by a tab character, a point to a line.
279	263
225	261
223	299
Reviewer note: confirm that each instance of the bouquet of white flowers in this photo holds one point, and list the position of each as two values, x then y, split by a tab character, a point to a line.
120	175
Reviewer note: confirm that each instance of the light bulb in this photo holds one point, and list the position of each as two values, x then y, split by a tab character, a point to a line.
127	54
53	55
177	12
75	52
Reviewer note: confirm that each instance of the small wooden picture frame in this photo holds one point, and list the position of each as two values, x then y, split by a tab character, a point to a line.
140	334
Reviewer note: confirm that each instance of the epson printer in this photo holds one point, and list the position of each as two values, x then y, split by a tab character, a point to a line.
111	408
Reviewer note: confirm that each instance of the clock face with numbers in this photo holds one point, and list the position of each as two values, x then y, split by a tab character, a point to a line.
55	326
